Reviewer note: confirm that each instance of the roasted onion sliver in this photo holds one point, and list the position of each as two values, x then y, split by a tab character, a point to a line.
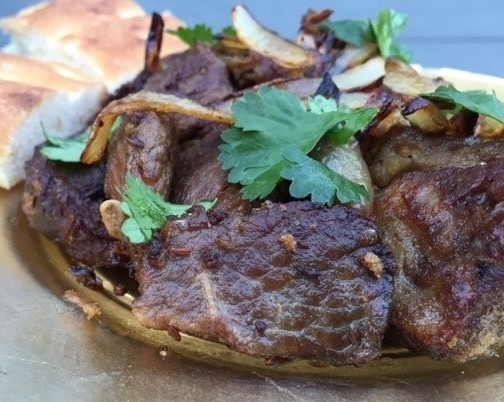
143	101
267	43
362	75
404	79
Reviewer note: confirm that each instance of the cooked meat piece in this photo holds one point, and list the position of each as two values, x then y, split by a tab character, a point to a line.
62	201
250	68
406	149
197	74
285	281
144	147
199	175
446	230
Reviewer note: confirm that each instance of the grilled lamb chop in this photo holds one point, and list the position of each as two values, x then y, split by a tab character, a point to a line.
446	230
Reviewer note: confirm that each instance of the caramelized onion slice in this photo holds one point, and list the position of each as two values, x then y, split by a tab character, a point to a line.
267	43
149	102
352	56
488	128
362	75
426	116
404	79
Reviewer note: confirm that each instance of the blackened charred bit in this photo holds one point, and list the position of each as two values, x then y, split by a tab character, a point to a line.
174	333
275	361
303	245
216	217
415	105
120	289
328	88
180	252
87	277
309	273
210	259
289	242
152	63
260	327
135	142
315	18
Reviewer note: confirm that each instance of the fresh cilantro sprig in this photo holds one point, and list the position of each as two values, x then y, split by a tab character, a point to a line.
382	31
475	101
271	120
70	149
200	33
147	211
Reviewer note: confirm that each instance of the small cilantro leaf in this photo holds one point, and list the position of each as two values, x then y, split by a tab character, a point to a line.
352	121
310	177
147	211
64	150
229	32
266	122
200	33
385	29
355	32
475	101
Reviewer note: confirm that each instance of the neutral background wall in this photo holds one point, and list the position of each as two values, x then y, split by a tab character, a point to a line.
465	34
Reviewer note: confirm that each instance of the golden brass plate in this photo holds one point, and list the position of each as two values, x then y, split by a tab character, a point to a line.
48	350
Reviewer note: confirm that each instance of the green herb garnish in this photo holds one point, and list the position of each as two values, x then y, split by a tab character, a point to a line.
267	123
229	32
65	150
147	211
200	33
310	177
475	101
70	149
383	31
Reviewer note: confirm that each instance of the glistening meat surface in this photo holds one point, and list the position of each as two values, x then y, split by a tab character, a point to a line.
446	230
290	281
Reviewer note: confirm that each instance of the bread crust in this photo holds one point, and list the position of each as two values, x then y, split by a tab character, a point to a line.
104	38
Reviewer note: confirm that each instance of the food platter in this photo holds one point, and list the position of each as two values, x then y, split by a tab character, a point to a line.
47	342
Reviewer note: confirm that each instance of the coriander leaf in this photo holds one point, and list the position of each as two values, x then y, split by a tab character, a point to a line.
310	177
355	32
383	32
385	29
320	104
64	150
475	101
266	123
200	33
229	31
352	121
147	211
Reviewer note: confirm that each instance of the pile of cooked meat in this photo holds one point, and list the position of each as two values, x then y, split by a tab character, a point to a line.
287	279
